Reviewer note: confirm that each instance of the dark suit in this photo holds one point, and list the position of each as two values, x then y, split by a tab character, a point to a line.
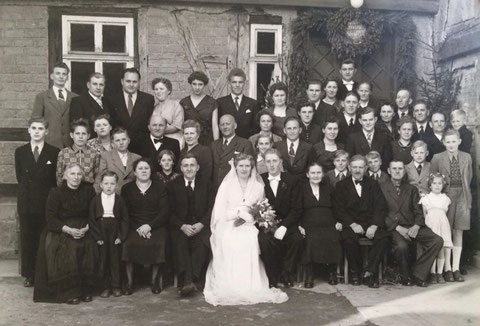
145	147
357	144
137	124
404	210
467	139
311	134
222	155
343	90
84	106
322	112
367	210
35	179
191	253
344	129
245	116
298	164
57	113
279	255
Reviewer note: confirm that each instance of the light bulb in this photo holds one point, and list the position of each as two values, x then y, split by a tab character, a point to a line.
356	3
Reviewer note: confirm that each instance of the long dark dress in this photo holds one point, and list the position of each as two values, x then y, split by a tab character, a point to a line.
324	157
149	208
66	267
322	243
202	113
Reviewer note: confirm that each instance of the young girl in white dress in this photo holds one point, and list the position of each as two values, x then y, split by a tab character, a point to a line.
435	206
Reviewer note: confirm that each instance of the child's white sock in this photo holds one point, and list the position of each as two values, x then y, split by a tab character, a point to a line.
432	270
448	256
440	263
457	253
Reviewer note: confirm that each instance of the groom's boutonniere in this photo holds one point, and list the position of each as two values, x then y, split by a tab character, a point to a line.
282	185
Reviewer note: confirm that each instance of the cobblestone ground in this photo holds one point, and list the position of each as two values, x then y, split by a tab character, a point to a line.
167	308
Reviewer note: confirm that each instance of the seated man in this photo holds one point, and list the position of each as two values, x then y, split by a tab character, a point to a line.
360	206
190	209
406	222
280	251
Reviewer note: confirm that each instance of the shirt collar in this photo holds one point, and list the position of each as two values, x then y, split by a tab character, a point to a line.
452	155
96	98
366	133
338	172
77	149
347	82
134	96
348	117
240	97
229	139
153	138
271	177
417	164
56	88
295	143
40	146
105	196
187	181
422	124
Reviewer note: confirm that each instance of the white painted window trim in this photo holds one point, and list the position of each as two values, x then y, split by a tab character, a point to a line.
98	57
256	58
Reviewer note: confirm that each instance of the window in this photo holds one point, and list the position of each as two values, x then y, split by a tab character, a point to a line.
265	53
94	43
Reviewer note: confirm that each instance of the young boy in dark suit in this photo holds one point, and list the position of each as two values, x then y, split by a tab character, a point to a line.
35	166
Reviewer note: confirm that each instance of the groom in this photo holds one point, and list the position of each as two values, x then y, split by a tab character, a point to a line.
280	251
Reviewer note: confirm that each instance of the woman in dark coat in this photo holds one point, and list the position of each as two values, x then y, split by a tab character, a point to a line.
318	225
148	211
67	256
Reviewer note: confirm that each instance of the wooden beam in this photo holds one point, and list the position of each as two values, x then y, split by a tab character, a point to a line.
460	45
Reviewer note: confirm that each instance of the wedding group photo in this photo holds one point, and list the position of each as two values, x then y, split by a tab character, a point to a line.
231	162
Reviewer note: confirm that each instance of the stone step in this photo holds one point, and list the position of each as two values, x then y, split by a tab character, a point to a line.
9	229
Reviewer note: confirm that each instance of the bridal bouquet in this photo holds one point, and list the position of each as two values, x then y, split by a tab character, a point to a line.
264	215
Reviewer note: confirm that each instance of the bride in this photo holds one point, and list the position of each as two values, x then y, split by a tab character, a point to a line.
236	275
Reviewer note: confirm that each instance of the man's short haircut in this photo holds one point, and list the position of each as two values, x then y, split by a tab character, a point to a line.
164	81
287	120
451	132
330	119
304	104
353	93
406	119
404	89
188	156
341	153
358	157
458	112
80	123
438	112
61	65
395	161
419	143
314	82
366	110
273	151
96	75
236	72
192	124
41	120
155	115
105	116
372	155
120	130
348	61
131	70
109	174
420	102
370	85
198	75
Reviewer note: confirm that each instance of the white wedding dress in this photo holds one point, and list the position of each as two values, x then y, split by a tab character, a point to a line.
236	275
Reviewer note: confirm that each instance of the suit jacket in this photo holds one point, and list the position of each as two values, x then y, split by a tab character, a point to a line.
110	161
369	209
96	214
137	124
204	158
403	210
245	116
312	135
419	181
222	157
322	112
35	179
357	144
441	163
344	130
467	139
47	106
303	157
286	204
144	147
343	90
84	106
434	145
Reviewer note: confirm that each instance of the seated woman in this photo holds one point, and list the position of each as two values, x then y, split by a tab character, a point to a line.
325	149
265	121
67	258
102	127
166	159
279	110
169	109
318	225
148	211
191	133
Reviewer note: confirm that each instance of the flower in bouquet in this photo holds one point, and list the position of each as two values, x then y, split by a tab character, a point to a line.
264	215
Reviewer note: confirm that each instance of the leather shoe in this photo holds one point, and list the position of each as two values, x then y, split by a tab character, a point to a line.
406	281
156	289
420	283
433	278
448	276
106	293
287	283
308	285
187	290
73	301
458	277
128	290
372	282
440	279
355	281
87	298
28	283
117	293
332	278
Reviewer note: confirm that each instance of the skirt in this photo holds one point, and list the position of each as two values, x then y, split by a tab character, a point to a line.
144	251
322	246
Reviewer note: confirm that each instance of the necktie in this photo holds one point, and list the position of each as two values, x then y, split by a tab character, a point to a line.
397	188
375	176
419	169
189	186
225	144
36	153
351	122
454	159
130	104
369	139
341	176
60	95
237	104
291	153
422	130
99	101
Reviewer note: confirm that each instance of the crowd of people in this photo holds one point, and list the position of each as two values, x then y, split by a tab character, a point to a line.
112	182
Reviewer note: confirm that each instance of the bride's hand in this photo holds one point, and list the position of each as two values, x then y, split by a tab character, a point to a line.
239	221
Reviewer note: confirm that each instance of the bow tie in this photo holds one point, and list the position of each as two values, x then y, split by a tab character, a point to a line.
277	178
157	140
348	83
358	182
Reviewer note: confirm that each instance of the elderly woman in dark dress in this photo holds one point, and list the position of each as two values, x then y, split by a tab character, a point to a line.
326	148
318	225
202	108
148	211
67	255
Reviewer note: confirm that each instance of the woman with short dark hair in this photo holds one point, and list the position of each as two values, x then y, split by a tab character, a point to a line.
280	111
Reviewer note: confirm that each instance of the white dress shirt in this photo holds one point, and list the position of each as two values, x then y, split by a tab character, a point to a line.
64	92
295	145
348	117
348	84
123	158
274	181
240	97
99	99
187	181
156	144
39	145
107	202
357	187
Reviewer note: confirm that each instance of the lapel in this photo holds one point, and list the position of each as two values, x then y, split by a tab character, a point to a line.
54	102
300	151
231	147
353	190
391	193
425	170
68	101
445	161
363	143
93	103
376	140
42	159
118	162
137	107
282	188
